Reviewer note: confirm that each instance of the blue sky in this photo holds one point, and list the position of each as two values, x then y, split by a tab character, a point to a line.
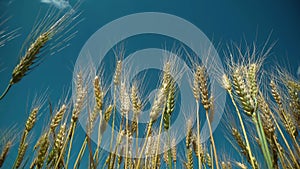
221	21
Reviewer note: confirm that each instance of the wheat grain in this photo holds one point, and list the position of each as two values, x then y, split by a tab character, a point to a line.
203	87
241	90
118	72
241	165
124	99
31	120
58	117
98	92
107	112
21	154
31	58
42	151
58	144
4	152
173	150
208	160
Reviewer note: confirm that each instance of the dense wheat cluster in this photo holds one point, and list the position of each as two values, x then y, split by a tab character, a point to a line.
264	128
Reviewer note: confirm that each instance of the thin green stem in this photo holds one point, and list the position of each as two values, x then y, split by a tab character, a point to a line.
257	121
243	129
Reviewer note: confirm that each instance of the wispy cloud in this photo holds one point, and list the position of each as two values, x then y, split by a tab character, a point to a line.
61	4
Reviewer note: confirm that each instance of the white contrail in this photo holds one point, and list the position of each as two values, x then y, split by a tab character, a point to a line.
61	4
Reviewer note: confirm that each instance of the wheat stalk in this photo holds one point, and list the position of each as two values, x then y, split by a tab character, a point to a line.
31	58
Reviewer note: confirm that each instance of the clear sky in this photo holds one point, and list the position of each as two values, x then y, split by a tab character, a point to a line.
221	21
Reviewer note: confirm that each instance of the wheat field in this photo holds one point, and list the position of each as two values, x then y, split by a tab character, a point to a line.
261	119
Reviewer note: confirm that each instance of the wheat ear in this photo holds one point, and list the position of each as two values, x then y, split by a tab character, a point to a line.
227	85
207	105
4	153
30	59
23	145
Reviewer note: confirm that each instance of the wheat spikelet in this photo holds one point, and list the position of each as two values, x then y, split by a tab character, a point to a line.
42	151
290	126
107	112
124	99
206	102
203	87
229	166
226	165
58	144
241	165
275	93
208	160
120	157
188	145
31	120
294	103
30	59
253	68
241	91
189	133
226	82
269	128
223	164
170	104
195	145
80	96
4	152
157	104
268	123
285	117
198	149
135	100
118	72
173	150
58	117
167	73
98	93
165	154
21	154
277	97
238	138
171	98
196	87
81	92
